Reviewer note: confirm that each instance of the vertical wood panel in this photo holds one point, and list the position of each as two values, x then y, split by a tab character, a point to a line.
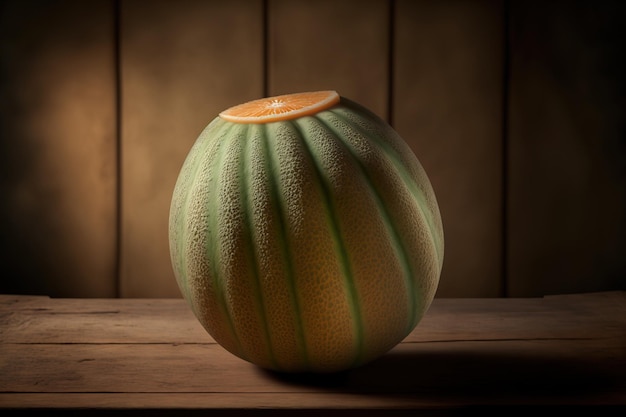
330	45
567	147
182	63
57	148
448	98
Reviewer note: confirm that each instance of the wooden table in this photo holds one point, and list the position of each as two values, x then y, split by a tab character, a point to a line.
147	356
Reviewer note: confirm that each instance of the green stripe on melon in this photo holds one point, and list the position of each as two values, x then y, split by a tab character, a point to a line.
312	244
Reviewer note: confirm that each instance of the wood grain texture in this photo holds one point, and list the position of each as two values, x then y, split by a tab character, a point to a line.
448	106
343	404
57	148
567	190
149	321
330	45
435	69
182	63
560	351
161	368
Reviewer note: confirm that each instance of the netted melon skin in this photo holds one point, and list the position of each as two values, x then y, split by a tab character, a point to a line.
308	245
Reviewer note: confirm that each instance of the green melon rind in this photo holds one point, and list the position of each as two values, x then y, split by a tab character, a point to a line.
334	225
246	189
206	156
399	153
282	237
408	167
296	173
392	230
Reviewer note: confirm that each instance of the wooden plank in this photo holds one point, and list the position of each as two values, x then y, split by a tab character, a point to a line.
571	367
448	107
11	301
182	63
171	321
481	368
330	45
567	229
57	152
330	403
224	401
102	321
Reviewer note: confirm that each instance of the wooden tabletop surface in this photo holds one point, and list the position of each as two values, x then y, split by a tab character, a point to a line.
137	356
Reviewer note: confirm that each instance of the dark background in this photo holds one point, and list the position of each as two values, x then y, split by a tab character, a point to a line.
516	109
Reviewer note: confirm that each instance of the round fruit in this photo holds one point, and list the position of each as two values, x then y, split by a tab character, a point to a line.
304	233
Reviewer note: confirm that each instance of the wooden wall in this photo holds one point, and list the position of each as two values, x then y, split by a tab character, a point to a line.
515	109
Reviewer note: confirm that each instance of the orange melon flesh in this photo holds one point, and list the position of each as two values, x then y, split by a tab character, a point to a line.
283	107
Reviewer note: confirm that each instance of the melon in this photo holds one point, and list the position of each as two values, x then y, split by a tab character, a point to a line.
304	233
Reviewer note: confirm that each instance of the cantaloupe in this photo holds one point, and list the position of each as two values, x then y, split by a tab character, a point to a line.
304	233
